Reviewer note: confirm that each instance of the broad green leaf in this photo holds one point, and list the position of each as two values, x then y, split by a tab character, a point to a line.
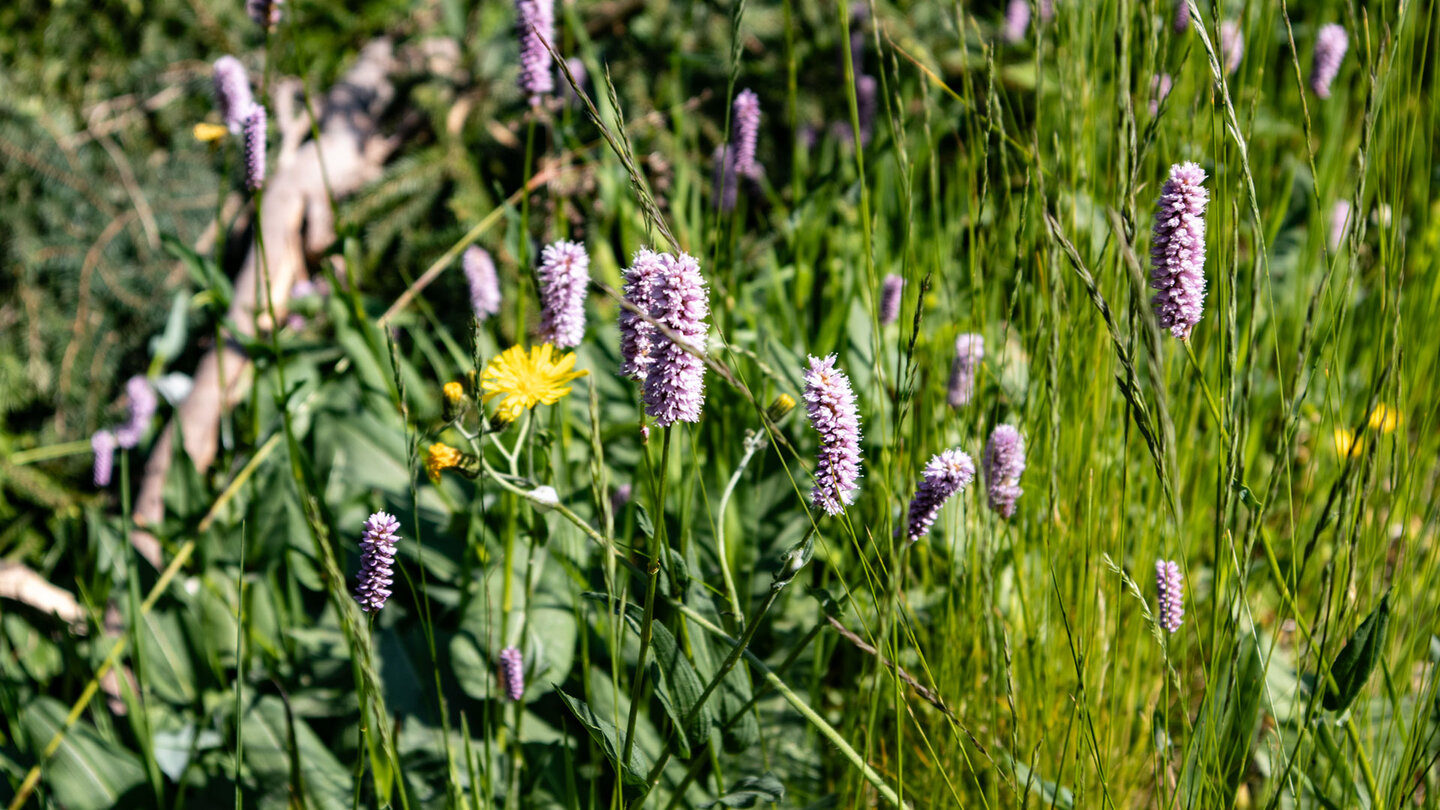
86	772
751	790
605	735
268	756
1357	658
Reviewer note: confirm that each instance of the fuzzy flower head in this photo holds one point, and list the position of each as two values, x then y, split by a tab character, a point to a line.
143	403
254	133
512	674
1177	250
636	335
1330	46
377	560
1182	16
1339	224
947	473
830	403
1232	45
1047	10
484	285
103	445
564	277
535	26
526	379
1004	464
969	351
747	131
1017	19
675	380
232	92
890	292
1172	596
1159	90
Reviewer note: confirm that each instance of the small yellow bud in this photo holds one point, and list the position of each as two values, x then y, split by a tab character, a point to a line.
780	407
206	133
1384	419
454	404
454	392
1345	443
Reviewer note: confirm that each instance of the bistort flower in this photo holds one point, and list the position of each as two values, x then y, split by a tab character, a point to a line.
636	334
103	445
1339	223
535	26
512	674
969	351
1177	250
484	285
255	123
526	379
232	92
564	277
675	380
830	403
1172	597
1004	464
1017	19
747	131
377	556
1159	91
947	473
1232	45
1330	46
890	290
143	403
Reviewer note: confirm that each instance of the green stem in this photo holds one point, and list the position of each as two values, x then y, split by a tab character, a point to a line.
646	627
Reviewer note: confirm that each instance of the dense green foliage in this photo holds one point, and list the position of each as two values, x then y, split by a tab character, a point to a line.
1287	456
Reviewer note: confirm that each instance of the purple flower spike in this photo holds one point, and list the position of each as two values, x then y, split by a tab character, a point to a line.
1339	223
536	28
564	276
1159	91
1177	251
142	410
1330	46
255	122
830	402
1017	19
479	271
726	181
946	474
890	293
103	444
1232	45
1047	10
232	92
512	674
675	381
1004	464
1172	595
969	351
636	336
867	102
747	132
1182	16
377	558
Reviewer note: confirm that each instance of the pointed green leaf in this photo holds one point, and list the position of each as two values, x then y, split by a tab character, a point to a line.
606	736
1357	658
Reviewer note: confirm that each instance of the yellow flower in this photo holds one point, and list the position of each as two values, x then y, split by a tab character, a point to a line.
206	133
780	408
439	457
1345	442
453	392
527	379
1384	419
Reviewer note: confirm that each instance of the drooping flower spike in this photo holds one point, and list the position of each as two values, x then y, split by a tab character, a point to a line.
830	403
377	558
564	277
946	474
1177	250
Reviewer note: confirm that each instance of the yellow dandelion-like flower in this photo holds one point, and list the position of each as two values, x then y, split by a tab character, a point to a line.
439	457
527	379
1384	419
1346	443
205	133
